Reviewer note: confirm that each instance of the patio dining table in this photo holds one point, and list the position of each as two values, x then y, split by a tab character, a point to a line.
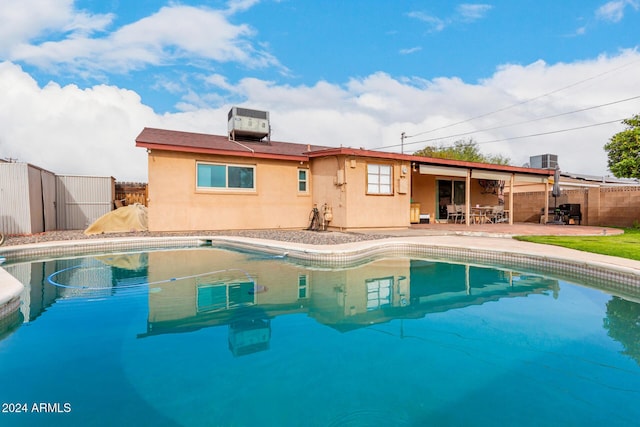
480	214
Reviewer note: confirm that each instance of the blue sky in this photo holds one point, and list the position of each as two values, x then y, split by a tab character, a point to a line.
353	72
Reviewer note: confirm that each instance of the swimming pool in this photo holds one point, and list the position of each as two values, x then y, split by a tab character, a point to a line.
209	336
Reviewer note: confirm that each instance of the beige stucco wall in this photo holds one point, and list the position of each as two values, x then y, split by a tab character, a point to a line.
176	205
480	197
338	182
424	192
341	183
325	190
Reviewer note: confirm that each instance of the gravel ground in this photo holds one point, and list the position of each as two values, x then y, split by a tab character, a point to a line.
298	236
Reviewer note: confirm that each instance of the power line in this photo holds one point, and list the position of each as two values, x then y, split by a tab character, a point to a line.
547	133
512	124
552	132
525	101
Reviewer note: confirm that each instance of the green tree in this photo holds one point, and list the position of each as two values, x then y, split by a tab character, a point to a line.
466	150
623	150
623	324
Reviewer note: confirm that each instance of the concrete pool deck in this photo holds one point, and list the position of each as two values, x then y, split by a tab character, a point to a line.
490	244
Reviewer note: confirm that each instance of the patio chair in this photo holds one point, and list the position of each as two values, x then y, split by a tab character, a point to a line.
452	213
497	214
460	210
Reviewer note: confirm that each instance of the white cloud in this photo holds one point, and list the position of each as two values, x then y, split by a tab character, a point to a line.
68	130
473	12
166	37
235	6
92	131
410	50
464	13
25	20
435	24
219	81
613	11
84	24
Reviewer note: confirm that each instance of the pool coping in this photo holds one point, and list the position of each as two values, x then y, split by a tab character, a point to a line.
618	275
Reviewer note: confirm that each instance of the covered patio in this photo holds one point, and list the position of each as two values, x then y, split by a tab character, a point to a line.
467	193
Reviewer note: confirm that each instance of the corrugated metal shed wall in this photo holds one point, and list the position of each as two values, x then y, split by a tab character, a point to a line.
27	199
36	209
15	213
42	199
80	200
33	200
49	199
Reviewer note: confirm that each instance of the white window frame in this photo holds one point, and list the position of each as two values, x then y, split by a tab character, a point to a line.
305	180
251	189
224	291
379	293
380	179
303	286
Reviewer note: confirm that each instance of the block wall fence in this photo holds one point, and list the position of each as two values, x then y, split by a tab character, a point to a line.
608	206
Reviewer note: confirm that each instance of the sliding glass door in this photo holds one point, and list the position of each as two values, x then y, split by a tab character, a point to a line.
449	192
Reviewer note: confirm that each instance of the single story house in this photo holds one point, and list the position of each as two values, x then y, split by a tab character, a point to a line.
215	182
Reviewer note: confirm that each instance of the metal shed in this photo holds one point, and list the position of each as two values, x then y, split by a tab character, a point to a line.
34	200
80	200
27	199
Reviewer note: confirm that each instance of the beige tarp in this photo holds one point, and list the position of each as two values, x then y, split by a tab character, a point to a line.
125	219
126	262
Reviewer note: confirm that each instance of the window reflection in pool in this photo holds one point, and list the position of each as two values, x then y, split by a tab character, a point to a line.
215	337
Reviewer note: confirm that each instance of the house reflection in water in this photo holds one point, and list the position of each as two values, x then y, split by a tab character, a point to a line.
249	331
217	287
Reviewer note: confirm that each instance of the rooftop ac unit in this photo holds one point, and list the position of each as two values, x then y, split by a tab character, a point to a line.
544	161
248	124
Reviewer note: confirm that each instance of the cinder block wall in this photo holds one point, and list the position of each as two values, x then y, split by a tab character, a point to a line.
620	206
527	206
615	206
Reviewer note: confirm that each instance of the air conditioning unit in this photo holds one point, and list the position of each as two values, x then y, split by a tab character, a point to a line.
248	124
544	161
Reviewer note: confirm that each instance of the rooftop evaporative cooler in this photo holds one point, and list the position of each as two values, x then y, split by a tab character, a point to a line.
544	161
246	124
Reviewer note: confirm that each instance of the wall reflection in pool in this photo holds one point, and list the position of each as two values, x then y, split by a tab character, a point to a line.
215	337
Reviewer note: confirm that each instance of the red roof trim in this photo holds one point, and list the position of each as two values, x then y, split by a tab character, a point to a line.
426	160
188	142
231	153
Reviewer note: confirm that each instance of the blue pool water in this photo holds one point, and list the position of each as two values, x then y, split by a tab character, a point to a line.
210	337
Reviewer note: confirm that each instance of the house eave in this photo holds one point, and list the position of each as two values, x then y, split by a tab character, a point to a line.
347	151
217	152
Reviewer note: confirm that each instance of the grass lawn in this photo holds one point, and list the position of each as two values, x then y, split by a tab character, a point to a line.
625	245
